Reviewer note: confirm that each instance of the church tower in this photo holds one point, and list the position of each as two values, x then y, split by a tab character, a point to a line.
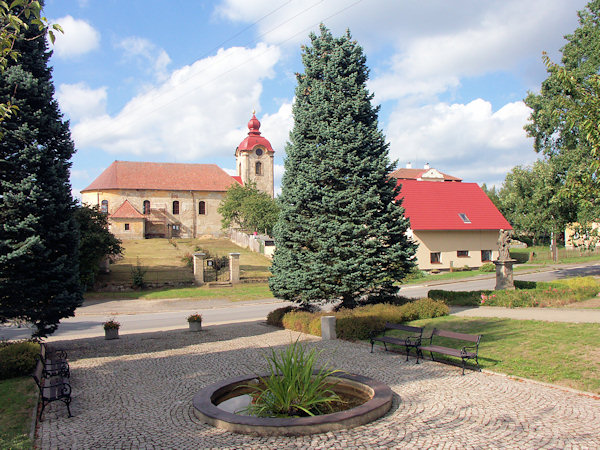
254	159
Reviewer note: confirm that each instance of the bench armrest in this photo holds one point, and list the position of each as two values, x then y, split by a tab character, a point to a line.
473	347
413	340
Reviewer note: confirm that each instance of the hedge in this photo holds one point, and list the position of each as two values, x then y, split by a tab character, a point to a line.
18	359
526	294
359	323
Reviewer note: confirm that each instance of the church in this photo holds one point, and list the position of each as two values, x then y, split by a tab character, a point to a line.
146	199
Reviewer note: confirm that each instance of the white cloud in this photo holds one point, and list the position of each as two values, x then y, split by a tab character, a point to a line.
191	115
79	38
79	101
80	174
469	141
149	55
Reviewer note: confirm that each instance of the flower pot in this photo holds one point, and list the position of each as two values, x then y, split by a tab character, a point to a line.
195	326
111	333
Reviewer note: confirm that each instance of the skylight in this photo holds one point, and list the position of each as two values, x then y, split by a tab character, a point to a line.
464	217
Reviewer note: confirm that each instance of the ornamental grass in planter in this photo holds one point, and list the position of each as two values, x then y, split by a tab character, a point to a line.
195	322
294	386
111	329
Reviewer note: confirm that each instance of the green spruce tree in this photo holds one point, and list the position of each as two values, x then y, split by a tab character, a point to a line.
340	234
39	273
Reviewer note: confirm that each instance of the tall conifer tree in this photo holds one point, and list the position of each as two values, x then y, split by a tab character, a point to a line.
39	273
340	235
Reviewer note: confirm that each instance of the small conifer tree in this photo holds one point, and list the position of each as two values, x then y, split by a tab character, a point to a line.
39	271
340	233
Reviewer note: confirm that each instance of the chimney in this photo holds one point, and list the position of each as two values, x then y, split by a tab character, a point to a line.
408	165
426	167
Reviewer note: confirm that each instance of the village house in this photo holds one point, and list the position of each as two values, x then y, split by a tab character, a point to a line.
454	223
146	199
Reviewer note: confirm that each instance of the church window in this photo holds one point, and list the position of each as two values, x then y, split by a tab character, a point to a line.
146	206
258	168
202	208
259	151
126	227
175	207
104	206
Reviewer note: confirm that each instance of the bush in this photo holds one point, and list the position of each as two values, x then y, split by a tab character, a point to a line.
488	267
525	284
359	323
457	298
414	274
18	359
274	317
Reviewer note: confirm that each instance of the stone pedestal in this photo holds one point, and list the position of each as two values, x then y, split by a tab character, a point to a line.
234	268
195	326
199	268
504	274
111	333
328	328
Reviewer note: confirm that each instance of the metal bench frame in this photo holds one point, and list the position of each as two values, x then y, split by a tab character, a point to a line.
463	353
412	341
52	389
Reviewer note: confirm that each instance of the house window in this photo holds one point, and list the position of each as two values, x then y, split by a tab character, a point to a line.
258	168
486	255
104	206
146	206
201	208
435	257
462	253
126	227
175	207
464	217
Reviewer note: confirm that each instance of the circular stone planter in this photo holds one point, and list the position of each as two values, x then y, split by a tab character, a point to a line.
195	326
378	395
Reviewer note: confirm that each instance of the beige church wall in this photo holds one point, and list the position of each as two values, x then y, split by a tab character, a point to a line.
247	169
449	242
161	208
136	228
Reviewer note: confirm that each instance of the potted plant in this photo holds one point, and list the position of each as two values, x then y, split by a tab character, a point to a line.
195	322
111	329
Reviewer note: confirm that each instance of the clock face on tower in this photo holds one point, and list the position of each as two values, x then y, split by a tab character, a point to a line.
259	151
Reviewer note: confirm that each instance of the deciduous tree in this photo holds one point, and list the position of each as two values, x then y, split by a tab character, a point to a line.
340	234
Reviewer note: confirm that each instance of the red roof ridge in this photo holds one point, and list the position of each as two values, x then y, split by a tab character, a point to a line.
126	211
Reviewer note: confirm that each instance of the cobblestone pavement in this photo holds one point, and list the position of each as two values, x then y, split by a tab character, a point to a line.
136	392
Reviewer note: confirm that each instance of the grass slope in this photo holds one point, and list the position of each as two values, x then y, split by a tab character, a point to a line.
17	400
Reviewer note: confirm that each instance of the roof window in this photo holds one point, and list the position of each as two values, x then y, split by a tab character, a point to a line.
464	217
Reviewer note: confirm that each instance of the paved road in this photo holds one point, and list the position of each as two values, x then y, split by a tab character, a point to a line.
154	315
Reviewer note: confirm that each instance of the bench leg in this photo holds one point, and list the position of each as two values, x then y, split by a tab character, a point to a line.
477	362
385	346
463	365
432	358
68	403
42	410
372	343
419	353
407	352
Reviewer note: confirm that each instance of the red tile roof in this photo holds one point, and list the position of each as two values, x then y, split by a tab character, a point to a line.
162	176
414	174
126	211
436	206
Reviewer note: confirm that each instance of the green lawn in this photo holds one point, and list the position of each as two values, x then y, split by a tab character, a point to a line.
561	353
18	397
543	256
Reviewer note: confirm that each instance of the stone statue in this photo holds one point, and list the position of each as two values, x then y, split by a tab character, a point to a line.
503	245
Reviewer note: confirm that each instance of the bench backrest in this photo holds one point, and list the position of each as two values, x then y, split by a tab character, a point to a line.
454	335
398	326
37	373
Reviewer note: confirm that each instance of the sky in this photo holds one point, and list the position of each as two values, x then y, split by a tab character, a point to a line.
178	81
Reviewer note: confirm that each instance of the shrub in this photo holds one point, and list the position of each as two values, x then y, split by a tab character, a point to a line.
488	267
359	323
525	284
457	298
414	274
18	359
274	317
137	275
188	259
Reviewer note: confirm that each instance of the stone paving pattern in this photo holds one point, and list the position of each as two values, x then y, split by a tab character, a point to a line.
136	392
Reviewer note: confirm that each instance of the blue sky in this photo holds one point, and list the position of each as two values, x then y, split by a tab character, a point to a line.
177	81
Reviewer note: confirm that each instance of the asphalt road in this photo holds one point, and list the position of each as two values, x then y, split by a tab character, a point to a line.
138	316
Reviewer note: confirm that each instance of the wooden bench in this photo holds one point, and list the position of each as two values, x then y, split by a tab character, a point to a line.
464	353
411	341
55	363
52	388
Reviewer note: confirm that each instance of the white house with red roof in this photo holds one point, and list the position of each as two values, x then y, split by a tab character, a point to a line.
454	223
147	199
